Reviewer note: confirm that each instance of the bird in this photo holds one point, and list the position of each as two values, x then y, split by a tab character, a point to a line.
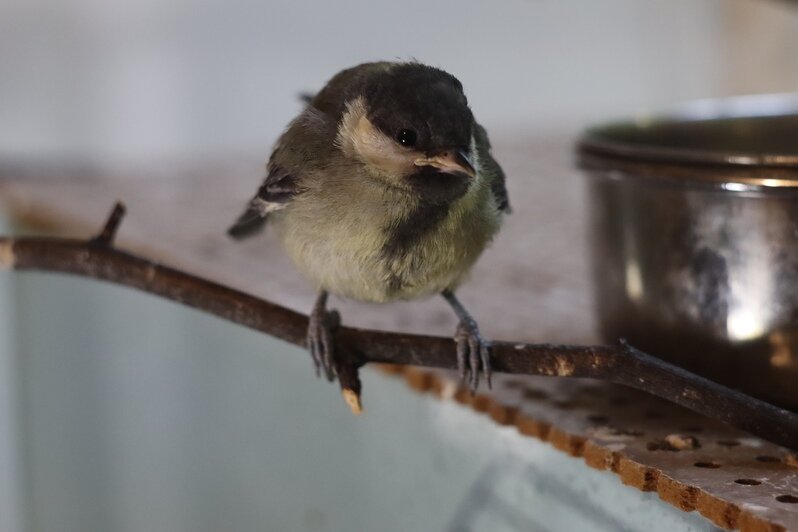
384	188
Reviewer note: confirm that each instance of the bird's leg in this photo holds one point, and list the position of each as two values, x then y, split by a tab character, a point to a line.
320	341
473	351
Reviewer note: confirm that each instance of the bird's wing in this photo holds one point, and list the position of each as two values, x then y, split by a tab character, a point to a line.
312	132
493	171
274	194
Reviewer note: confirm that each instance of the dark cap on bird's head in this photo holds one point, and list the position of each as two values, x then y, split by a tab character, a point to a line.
407	123
424	104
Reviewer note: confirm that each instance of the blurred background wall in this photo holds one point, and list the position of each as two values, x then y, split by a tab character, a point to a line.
126	81
131	79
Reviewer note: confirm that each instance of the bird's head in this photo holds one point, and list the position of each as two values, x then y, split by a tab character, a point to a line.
410	126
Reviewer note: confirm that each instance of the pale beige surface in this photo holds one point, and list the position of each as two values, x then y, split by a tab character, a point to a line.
531	284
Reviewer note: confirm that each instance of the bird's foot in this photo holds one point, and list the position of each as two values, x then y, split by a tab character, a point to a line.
320	340
473	353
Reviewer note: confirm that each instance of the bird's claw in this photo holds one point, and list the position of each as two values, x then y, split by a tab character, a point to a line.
321	342
473	354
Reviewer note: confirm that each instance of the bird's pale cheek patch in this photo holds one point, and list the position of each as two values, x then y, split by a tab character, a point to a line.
359	138
381	152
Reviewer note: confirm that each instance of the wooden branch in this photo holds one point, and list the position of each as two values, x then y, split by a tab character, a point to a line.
621	364
106	236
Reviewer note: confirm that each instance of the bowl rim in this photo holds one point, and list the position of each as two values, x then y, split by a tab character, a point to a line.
598	152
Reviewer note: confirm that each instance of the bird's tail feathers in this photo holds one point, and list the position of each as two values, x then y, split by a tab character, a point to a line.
248	224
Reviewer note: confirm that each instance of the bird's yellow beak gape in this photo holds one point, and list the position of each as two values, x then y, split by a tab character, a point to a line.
450	161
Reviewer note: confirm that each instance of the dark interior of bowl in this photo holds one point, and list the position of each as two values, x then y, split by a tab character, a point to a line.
747	140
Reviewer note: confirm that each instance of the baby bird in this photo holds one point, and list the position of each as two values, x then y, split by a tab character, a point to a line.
384	189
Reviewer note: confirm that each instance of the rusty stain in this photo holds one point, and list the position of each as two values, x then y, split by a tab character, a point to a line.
149	274
7	258
564	367
781	355
682	442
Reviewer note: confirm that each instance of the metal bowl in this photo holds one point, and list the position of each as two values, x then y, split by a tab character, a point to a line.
694	225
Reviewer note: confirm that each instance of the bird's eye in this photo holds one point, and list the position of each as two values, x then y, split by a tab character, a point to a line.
406	137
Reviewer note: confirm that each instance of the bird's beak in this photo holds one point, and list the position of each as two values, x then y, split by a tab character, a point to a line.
449	161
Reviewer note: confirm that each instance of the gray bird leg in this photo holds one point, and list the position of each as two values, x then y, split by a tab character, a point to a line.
472	349
320	342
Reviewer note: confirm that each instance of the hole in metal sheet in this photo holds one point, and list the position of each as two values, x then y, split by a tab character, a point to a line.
768	459
597	418
747	482
707	465
789	499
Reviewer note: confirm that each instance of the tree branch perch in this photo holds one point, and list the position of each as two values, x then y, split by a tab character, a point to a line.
621	364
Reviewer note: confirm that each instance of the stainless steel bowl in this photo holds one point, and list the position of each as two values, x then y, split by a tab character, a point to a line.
694	224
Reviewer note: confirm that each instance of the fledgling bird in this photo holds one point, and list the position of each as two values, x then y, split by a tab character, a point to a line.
384	189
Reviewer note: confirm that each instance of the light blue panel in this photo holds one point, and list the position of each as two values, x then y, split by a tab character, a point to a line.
529	485
144	415
10	460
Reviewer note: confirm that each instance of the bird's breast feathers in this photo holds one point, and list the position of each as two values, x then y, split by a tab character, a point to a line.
377	244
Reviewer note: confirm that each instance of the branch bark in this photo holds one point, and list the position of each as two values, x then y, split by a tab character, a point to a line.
622	364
